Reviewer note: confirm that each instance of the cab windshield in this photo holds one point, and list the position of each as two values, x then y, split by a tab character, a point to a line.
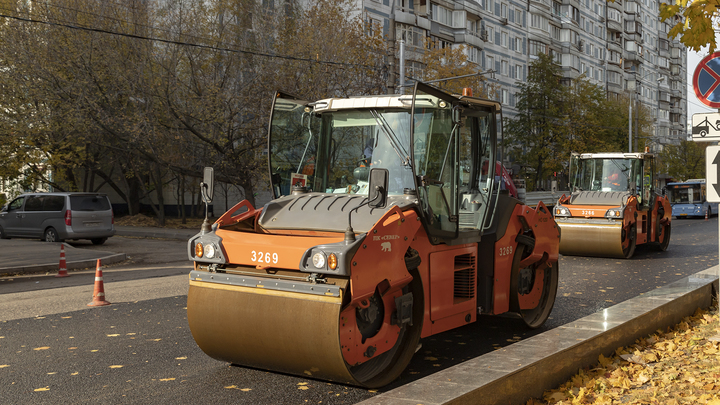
605	174
333	152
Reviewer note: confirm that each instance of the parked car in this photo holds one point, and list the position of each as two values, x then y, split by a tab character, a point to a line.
56	217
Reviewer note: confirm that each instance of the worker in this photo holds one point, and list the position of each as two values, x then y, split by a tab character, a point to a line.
616	181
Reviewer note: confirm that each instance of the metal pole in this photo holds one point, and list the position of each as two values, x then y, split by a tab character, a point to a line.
391	49
630	124
402	64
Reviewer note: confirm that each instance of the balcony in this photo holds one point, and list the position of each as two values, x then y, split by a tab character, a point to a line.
470	38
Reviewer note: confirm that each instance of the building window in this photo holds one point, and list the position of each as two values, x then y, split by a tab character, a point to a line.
505	97
413	36
539	22
490	63
504	68
555	32
442	15
519	72
536	47
504	39
473	54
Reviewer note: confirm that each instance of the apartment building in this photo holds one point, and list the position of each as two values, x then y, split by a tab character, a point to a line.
621	46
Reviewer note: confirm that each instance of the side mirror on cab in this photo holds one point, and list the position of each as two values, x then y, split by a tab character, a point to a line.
377	194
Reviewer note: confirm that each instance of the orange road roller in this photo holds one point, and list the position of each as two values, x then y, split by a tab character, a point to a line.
613	206
387	225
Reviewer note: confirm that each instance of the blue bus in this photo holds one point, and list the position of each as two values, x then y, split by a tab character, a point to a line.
689	199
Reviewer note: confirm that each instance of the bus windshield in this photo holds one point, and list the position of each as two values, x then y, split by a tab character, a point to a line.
686	193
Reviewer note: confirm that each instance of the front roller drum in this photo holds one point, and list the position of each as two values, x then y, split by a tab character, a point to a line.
593	239
282	331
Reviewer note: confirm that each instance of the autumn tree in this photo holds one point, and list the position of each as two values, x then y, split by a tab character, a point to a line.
135	95
694	22
450	62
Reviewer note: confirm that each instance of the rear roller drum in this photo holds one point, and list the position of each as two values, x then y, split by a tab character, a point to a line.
523	287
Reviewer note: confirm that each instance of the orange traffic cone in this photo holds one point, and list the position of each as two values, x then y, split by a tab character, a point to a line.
62	272
99	293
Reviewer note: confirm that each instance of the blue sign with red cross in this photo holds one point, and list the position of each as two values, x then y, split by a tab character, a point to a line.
706	80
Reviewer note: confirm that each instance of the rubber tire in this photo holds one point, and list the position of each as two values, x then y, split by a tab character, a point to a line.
404	349
51	235
533	318
98	241
630	251
3	235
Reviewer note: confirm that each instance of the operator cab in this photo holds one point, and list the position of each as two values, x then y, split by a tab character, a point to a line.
439	151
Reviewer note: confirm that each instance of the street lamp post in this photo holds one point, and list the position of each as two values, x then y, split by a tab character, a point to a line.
630	103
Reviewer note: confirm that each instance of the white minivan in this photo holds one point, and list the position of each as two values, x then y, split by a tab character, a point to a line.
56	217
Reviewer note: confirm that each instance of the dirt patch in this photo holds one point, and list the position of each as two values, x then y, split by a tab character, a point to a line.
144	220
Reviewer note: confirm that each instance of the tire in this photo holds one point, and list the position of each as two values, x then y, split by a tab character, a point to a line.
703	133
98	241
3	235
51	235
536	317
629	250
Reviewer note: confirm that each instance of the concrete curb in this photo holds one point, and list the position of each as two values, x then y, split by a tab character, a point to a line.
70	265
526	369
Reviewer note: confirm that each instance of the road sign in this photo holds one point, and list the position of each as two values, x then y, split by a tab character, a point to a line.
706	127
706	80
712	172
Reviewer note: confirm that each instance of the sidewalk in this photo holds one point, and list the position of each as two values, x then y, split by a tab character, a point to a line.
36	256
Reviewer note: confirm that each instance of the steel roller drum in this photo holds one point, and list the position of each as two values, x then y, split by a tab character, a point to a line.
591	239
289	332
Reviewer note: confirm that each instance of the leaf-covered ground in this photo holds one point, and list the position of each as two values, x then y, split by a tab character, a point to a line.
144	220
679	366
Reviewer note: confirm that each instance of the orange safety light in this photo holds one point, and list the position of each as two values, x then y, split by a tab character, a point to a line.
332	261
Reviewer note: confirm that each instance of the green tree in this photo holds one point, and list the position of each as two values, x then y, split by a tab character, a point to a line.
557	117
684	161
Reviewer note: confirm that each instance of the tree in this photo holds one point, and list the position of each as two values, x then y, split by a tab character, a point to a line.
556	118
150	92
693	21
447	62
684	161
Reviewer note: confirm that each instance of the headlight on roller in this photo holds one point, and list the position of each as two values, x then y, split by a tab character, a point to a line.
614	213
209	251
561	211
198	249
319	260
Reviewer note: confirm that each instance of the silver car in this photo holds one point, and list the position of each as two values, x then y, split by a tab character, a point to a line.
56	217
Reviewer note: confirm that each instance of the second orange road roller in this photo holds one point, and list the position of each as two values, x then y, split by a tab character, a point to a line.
613	206
387	225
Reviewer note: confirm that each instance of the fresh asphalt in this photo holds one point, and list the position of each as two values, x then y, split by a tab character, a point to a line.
47	314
